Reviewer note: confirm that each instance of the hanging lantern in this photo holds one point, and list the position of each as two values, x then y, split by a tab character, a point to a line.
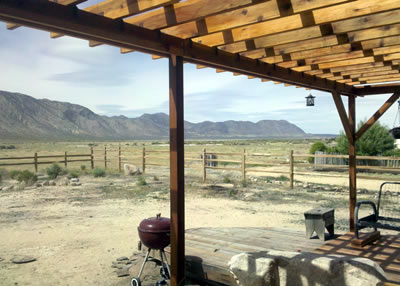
395	131
310	100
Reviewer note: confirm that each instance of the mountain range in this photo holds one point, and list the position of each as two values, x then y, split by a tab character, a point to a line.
26	118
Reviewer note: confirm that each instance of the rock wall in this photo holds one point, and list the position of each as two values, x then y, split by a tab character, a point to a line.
279	268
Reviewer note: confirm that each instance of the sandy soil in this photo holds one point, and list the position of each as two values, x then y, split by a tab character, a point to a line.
76	232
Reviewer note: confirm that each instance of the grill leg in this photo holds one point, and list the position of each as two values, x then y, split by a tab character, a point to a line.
144	262
163	255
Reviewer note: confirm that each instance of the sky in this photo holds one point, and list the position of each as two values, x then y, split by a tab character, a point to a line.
109	83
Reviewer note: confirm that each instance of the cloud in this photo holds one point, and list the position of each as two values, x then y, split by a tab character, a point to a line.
87	77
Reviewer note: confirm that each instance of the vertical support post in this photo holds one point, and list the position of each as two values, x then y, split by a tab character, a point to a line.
144	160
119	158
105	156
177	170
291	169
204	165
244	165
35	161
65	159
91	158
352	160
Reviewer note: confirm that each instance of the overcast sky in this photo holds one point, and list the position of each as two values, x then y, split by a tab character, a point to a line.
109	83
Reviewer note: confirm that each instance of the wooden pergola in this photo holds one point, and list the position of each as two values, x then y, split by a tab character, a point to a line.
344	47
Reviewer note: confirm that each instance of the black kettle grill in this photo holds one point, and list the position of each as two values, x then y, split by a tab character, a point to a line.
155	234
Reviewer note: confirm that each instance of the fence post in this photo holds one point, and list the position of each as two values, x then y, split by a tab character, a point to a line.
105	156
144	160
204	166
65	159
244	165
291	159
91	158
119	158
35	160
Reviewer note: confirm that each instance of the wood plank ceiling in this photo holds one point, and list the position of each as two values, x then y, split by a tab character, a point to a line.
356	43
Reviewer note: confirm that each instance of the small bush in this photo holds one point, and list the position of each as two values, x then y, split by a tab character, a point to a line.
3	174
227	180
244	184
283	178
54	171
155	178
74	173
317	146
83	168
14	174
141	181
27	176
99	172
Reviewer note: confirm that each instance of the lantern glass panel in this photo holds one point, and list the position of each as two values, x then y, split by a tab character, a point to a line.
310	100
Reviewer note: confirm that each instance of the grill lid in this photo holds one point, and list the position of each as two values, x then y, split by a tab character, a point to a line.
156	224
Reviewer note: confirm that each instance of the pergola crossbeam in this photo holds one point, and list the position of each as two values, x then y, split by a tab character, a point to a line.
74	22
377	114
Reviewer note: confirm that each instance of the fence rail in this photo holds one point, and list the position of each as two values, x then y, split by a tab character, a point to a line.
229	161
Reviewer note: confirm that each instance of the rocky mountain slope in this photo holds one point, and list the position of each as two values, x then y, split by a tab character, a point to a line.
24	117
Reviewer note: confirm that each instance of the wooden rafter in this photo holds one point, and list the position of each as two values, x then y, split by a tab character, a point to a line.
116	9
85	25
319	40
317	19
377	114
12	26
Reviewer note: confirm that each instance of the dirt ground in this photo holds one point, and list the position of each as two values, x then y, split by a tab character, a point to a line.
75	232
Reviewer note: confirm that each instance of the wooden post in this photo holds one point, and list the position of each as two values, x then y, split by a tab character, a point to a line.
352	160
349	126
291	159
105	156
244	165
177	170
91	158
204	166
119	158
144	160
65	159
35	161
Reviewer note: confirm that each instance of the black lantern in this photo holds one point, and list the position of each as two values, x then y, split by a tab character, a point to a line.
310	100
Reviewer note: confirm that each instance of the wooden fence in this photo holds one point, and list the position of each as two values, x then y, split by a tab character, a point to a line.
243	162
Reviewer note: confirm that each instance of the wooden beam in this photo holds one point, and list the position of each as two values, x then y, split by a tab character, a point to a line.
116	9
185	11
377	89
378	114
156	57
367	11
352	160
126	51
177	170
200	67
243	16
93	44
227	20
12	26
342	114
54	35
66	19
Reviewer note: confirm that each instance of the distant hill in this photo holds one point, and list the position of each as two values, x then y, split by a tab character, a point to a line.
24	117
